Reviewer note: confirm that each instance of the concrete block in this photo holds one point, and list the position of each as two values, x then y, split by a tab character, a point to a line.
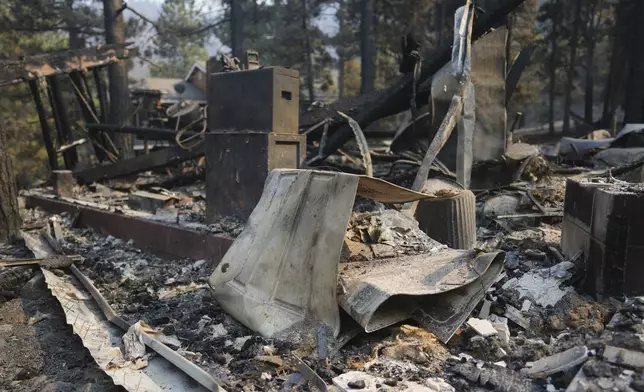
263	100
238	165
605	223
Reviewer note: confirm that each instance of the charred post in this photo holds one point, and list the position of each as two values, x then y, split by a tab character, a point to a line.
44	125
101	93
62	120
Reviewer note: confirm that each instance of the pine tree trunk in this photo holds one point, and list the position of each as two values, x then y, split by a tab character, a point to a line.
310	78
119	93
634	105
589	93
341	52
9	212
367	48
613	93
236	28
570	71
441	23
553	69
589	98
75	40
508	43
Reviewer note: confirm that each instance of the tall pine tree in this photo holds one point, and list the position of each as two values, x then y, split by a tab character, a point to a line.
178	42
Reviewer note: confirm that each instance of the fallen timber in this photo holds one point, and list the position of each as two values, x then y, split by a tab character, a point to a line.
148	132
162	158
396	98
165	240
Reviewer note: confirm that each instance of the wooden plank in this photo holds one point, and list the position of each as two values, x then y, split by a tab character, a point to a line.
156	159
44	125
87	91
82	95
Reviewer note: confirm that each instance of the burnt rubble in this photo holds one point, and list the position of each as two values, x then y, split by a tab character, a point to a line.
173	296
460	260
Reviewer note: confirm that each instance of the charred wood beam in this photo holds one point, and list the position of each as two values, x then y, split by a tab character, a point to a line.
516	70
162	158
147	132
16	71
88	92
88	110
101	138
45	129
395	99
101	91
63	125
82	95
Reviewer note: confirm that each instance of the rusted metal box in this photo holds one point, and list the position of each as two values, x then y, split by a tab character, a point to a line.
238	165
261	100
605	222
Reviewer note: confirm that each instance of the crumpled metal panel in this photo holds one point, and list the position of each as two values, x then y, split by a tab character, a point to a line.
444	313
380	293
281	272
279	278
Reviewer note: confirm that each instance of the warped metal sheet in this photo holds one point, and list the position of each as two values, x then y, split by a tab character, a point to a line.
281	272
388	193
380	293
279	277
104	339
444	313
